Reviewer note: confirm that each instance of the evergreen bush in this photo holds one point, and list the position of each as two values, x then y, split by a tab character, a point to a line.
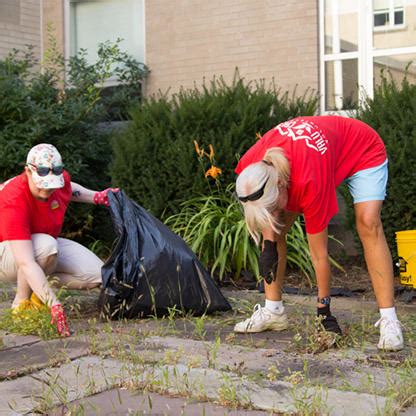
392	113
154	157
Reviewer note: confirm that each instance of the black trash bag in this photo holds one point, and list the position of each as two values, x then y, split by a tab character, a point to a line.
152	269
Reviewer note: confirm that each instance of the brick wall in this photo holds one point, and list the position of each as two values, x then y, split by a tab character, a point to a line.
53	18
19	25
187	40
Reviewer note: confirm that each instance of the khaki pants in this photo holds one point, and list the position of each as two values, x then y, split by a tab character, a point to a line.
76	267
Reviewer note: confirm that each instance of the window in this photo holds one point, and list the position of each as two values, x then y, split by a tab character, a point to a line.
358	45
388	13
90	22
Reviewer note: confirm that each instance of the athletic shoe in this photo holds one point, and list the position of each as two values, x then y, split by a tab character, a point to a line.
391	337
59	320
262	320
330	324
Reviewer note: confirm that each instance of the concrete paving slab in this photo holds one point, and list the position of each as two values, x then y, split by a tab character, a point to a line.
86	376
165	356
46	388
14	340
272	396
25	358
122	402
330	368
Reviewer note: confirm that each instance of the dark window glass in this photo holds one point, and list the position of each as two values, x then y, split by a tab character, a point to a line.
381	19
399	17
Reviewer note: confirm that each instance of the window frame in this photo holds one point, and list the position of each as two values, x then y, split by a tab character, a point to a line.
391	10
365	54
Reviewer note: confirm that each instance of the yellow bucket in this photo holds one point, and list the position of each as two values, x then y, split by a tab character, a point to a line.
406	248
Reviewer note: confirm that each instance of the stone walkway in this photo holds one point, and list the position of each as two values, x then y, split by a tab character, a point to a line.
198	366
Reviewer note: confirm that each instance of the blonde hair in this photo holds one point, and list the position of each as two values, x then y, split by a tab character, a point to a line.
273	170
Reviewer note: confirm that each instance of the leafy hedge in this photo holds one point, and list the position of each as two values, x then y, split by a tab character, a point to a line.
392	113
154	158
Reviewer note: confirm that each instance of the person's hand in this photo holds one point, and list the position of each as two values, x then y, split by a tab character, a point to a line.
59	320
101	198
268	261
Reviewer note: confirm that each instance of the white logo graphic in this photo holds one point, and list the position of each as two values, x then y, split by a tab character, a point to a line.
304	131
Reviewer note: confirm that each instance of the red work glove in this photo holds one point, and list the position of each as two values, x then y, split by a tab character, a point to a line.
59	320
101	198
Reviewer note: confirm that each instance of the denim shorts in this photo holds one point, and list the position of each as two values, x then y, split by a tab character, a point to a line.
369	184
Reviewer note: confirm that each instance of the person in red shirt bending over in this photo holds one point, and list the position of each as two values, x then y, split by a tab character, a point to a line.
295	169
32	209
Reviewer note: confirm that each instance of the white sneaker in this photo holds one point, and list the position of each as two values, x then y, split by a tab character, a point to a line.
391	337
262	320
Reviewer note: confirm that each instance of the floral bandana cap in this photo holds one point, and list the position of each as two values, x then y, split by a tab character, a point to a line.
45	155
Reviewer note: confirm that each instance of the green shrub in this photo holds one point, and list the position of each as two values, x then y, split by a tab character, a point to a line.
153	158
392	113
36	108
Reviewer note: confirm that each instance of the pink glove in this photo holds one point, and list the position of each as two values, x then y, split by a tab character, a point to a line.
59	320
101	198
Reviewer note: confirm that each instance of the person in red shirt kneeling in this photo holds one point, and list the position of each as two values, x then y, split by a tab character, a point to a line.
32	210
295	169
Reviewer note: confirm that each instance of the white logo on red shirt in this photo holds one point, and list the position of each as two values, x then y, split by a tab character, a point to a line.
307	131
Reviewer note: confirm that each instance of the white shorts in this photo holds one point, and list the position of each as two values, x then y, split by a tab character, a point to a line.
74	260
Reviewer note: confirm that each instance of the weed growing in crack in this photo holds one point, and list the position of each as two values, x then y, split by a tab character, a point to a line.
194	362
313	338
212	352
310	401
173	356
401	387
273	373
227	392
199	330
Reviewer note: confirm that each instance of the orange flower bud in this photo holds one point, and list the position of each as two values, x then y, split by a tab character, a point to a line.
211	152
199	152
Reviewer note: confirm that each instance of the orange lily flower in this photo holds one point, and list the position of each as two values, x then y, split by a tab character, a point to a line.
213	171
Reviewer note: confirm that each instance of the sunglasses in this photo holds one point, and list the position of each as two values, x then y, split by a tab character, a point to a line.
44	170
255	195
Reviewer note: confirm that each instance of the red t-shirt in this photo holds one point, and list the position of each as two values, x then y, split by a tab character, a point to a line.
22	215
322	152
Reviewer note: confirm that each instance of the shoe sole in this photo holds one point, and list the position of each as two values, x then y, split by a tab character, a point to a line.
272	327
398	348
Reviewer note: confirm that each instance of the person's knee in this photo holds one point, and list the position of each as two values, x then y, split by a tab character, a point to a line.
45	249
49	263
369	225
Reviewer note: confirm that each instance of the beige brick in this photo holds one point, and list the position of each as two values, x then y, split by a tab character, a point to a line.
23	29
213	38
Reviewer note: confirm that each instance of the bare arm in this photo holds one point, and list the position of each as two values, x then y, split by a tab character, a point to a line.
318	246
29	271
81	194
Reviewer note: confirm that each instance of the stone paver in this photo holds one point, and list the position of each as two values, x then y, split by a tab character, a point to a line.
169	367
123	401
